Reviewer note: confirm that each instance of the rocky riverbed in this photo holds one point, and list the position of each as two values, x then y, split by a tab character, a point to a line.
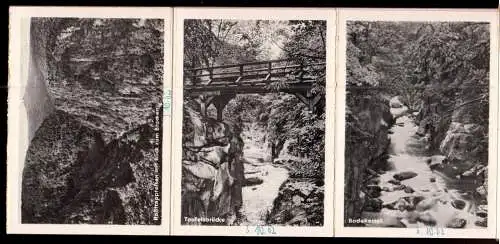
278	192
413	190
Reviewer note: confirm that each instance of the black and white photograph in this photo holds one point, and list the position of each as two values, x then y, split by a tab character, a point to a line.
417	125
253	129
93	103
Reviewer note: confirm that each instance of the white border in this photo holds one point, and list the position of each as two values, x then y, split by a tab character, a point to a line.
249	13
498	130
414	15
17	131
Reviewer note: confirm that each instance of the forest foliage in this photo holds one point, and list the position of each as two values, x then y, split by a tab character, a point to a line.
405	57
424	63
209	43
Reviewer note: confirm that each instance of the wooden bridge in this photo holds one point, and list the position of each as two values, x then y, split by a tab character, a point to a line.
217	85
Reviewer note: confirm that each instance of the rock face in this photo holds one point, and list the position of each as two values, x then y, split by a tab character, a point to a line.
462	140
456	223
366	145
299	202
396	103
404	175
95	156
212	172
301	197
456	120
72	176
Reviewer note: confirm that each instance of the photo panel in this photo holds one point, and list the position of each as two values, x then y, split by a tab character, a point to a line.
253	122
416	123
87	122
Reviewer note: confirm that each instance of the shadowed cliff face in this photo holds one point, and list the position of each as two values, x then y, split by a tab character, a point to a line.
212	169
36	99
94	156
72	176
366	145
458	129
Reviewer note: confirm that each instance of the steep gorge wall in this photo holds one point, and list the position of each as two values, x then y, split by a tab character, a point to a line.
36	98
367	125
72	176
212	170
93	156
458	129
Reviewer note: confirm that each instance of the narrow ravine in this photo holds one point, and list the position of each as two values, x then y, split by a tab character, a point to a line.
412	193
264	179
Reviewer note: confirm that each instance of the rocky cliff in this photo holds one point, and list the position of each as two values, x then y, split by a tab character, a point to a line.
212	170
72	176
367	124
458	129
95	156
300	202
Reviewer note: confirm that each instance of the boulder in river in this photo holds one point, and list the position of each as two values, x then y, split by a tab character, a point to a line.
458	204
252	181
436	162
427	219
399	188
432	179
414	200
373	181
373	205
482	223
405	175
409	190
403	205
482	207
373	191
482	191
482	214
456	223
391	206
394	182
426	204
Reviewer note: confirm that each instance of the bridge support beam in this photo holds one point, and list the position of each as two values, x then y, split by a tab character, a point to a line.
204	102
220	103
309	100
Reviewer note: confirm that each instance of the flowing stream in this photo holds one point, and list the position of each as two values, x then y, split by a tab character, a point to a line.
443	200
258	199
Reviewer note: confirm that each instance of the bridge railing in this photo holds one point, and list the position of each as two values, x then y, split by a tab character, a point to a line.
252	72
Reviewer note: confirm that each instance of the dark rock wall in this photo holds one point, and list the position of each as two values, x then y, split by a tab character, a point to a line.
93	156
72	176
213	173
368	121
455	120
36	99
300	202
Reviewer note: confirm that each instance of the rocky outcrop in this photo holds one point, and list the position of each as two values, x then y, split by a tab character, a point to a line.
458	130
367	127
299	203
301	197
463	142
71	176
212	169
95	153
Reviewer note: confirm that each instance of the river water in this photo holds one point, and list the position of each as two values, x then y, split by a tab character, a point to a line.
407	153
258	199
